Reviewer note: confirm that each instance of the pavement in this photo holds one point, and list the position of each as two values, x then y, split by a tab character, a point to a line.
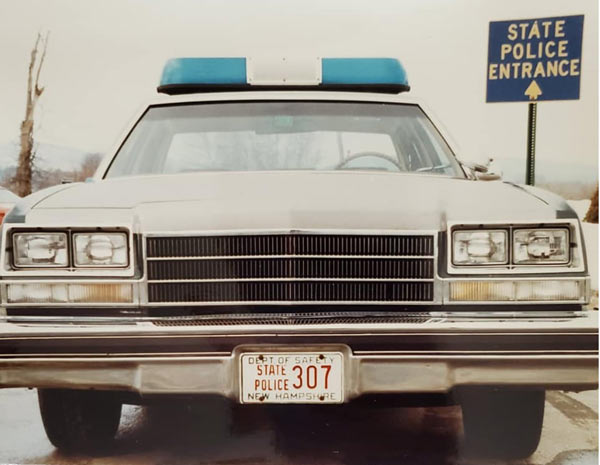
225	434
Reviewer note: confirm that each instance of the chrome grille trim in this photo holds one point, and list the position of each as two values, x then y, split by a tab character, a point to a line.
313	318
294	267
258	280
236	257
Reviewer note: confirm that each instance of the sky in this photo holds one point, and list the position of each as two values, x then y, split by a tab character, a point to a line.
104	61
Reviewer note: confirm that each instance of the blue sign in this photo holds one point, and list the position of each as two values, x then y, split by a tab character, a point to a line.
533	60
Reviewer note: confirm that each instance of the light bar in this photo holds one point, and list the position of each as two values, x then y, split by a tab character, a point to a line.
204	71
190	75
363	71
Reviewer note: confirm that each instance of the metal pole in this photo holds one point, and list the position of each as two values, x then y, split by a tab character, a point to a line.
531	126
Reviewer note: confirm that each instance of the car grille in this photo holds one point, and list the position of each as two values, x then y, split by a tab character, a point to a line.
307	268
294	319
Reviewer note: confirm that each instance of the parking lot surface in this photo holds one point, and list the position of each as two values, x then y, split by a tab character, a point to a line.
219	433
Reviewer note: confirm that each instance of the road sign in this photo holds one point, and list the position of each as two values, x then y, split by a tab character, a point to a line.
533	60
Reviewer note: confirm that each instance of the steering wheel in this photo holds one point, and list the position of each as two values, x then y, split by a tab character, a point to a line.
354	156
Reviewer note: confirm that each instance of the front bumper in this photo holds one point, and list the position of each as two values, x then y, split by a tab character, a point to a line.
431	355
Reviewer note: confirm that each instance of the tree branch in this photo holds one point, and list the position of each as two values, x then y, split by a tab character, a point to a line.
38	89
28	106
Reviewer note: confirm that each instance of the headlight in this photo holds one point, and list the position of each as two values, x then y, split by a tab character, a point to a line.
481	247
541	246
100	249
40	250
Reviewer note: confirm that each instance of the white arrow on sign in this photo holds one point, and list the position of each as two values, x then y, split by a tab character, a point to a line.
533	91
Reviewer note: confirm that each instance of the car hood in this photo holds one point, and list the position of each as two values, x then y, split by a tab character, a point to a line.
293	200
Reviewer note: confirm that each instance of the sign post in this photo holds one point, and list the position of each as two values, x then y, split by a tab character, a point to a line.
532	60
531	127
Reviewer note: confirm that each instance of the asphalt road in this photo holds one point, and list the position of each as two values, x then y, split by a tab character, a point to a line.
216	434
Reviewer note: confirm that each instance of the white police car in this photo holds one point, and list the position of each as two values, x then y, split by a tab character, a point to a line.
293	231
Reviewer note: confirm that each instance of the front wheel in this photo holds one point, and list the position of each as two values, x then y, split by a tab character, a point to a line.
502	423
79	420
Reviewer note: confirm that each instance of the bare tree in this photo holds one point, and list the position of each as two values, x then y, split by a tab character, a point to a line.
592	214
88	167
34	91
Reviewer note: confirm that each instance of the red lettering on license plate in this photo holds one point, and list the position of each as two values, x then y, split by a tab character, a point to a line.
292	378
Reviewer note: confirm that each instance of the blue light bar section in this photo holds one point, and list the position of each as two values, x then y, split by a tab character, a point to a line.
218	74
178	71
361	71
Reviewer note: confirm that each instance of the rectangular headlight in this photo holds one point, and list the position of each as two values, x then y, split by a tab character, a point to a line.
480	247
101	249
541	246
40	249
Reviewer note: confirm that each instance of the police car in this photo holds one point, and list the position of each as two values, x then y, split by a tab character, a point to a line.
294	230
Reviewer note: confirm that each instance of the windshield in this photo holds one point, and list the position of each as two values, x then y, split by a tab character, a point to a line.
284	135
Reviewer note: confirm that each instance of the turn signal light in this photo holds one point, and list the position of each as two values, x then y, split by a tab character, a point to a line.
69	293
520	291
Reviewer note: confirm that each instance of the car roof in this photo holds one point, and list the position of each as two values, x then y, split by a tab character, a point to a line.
253	95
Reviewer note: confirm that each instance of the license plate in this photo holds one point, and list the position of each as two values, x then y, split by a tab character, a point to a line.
292	378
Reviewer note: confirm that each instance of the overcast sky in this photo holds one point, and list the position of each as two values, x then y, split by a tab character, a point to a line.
105	57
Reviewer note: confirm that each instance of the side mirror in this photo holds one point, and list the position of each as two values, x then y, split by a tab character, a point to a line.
481	172
488	176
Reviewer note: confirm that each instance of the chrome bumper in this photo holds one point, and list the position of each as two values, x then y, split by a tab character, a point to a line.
427	357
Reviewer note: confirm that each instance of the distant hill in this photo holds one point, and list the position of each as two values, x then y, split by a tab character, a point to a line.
48	157
547	172
571	180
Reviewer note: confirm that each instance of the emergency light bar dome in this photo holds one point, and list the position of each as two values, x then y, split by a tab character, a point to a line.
192	75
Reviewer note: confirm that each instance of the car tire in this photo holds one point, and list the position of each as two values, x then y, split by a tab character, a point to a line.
502	423
79	420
